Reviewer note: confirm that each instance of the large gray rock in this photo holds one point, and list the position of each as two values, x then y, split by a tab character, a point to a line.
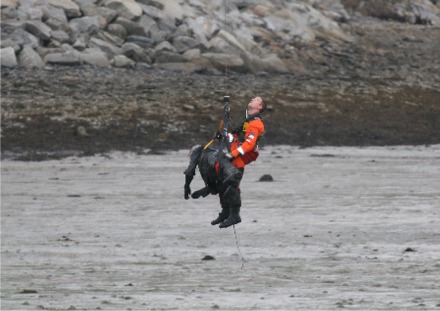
55	13
110	49
9	3
122	61
333	9
7	57
136	53
203	28
169	57
164	46
87	24
182	43
94	57
64	59
132	28
418	11
165	21
29	58
69	7
129	9
60	36
142	41
148	24
19	38
38	29
108	37
117	30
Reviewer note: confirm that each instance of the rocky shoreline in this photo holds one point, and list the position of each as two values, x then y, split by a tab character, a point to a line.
82	111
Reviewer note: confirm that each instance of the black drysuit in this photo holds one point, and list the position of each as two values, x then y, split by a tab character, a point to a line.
220	177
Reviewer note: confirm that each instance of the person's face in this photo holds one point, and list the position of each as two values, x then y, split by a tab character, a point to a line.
255	105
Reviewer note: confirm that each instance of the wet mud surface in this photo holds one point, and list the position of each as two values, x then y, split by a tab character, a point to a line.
352	228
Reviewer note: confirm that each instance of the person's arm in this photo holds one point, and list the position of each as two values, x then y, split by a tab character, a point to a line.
189	175
191	169
253	131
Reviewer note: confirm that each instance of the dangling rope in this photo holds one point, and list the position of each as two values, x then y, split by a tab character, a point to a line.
226	65
238	248
227	124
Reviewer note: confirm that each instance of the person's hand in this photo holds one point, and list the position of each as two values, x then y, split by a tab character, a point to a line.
187	192
229	156
201	193
229	137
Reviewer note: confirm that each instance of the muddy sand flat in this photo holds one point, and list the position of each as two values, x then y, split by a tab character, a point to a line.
353	228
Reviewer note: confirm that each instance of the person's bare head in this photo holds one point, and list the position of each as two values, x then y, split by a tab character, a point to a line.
256	105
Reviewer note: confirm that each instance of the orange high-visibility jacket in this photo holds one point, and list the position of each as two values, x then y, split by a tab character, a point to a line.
247	151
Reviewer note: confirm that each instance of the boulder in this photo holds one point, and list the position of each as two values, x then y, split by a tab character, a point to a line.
117	30
203	28
28	58
110	49
60	36
80	43
51	12
21	38
128	9
122	61
8	58
89	9
69	7
9	3
148	24
183	43
108	37
94	57
87	24
165	22
135	52
169	57
142	41
418	12
231	40
132	28
164	46
192	55
64	59
173	9
38	29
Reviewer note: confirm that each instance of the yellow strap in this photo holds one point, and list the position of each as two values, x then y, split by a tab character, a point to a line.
208	144
220	128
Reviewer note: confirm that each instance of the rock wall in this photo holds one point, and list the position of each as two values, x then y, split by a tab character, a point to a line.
184	35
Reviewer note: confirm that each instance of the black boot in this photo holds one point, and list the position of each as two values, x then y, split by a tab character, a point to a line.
221	217
233	219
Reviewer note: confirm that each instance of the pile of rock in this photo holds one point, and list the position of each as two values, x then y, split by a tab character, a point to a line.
187	35
184	35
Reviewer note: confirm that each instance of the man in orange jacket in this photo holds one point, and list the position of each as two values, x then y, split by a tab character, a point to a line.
219	175
244	150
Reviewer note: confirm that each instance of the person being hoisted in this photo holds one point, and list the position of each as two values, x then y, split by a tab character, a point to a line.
219	175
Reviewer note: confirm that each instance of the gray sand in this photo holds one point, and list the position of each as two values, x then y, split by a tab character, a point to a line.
353	228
